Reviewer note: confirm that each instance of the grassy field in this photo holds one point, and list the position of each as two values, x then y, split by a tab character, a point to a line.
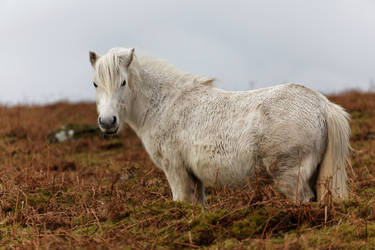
95	192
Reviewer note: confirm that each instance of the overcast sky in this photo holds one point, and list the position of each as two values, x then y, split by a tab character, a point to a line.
328	45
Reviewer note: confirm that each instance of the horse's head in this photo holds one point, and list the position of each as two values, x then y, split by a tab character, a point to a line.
111	79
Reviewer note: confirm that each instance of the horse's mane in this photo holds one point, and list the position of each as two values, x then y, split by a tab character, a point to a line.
108	68
160	66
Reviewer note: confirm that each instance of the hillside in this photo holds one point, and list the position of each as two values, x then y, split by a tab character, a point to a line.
95	192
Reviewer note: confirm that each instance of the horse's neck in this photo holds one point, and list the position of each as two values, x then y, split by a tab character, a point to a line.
163	76
155	88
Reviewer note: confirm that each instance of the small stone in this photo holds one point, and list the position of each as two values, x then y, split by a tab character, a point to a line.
61	136
71	133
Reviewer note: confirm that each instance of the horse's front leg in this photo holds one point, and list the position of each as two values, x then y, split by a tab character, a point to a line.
184	185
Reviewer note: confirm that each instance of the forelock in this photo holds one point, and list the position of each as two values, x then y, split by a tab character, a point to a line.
108	68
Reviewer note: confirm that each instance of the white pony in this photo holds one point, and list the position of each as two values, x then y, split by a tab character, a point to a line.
198	134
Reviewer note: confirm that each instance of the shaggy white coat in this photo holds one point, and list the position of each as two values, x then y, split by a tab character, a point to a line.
199	134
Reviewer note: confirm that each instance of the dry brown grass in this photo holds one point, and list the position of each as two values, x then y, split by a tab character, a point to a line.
106	193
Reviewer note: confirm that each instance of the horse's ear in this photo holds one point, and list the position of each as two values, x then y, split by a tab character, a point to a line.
130	57
93	58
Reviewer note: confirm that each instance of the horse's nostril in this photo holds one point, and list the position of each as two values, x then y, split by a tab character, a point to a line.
114	120
100	120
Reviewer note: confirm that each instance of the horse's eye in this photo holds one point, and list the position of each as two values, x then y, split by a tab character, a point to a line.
123	83
95	85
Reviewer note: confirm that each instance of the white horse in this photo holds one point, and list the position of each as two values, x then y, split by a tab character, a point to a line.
198	134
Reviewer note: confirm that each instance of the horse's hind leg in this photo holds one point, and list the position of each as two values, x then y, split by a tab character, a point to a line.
185	186
294	180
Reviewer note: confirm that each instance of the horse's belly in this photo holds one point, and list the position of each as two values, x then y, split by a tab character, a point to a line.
221	170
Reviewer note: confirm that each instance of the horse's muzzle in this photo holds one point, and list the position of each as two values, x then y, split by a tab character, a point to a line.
108	124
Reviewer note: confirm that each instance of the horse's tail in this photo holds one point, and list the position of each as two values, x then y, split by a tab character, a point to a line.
332	178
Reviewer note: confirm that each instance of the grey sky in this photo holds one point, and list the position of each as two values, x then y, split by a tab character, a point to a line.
328	45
